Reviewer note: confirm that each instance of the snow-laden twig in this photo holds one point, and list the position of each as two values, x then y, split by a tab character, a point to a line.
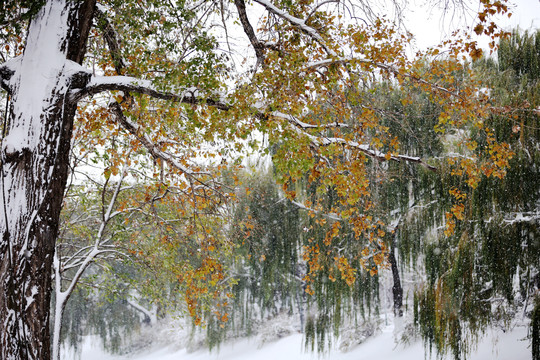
331	216
295	121
99	84
298	23
150	315
390	68
375	154
516	217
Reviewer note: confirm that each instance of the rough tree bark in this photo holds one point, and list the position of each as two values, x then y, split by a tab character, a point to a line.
34	168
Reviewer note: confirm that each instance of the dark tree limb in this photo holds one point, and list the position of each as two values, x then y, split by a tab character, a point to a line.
397	289
298	23
111	38
76	47
128	84
374	154
248	29
5	74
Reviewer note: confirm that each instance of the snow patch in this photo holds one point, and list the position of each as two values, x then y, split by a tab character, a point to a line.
509	345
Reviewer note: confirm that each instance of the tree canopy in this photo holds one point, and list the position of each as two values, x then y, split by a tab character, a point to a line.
155	93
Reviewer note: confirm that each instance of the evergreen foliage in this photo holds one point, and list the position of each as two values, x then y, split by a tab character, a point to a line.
521	53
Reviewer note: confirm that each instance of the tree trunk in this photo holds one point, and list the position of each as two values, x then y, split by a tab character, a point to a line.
397	290
34	169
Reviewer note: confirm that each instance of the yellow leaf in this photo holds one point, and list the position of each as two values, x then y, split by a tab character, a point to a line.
478	29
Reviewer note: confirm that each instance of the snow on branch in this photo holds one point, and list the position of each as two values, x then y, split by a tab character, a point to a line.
295	121
299	23
300	127
375	154
330	216
521	217
150	316
5	74
80	261
100	84
386	67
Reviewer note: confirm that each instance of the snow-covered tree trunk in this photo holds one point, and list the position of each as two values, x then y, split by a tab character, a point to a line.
34	169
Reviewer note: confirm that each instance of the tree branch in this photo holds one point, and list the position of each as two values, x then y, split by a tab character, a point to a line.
317	6
298	23
299	123
330	216
248	29
99	84
387	67
191	96
5	75
154	150
111	38
76	47
375	154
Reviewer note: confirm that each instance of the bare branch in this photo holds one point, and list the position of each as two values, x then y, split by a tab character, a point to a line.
317	6
248	29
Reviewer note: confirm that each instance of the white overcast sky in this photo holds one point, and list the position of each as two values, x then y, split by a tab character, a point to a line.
424	20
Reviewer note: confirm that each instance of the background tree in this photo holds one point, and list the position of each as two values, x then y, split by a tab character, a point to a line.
482	274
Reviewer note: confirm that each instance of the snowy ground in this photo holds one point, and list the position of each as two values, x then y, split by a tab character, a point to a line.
499	345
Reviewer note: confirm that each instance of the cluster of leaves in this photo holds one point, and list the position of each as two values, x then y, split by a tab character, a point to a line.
154	250
273	235
471	274
15	14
